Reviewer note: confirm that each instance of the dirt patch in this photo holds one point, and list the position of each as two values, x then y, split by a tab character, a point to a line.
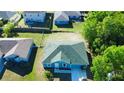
64	37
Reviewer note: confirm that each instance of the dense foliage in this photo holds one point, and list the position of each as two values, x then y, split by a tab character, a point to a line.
104	32
103	29
112	61
7	29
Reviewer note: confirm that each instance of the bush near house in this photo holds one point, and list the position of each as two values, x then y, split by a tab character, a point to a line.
48	75
1	23
112	61
7	29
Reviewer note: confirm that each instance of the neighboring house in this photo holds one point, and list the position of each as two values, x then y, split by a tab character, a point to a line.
63	57
60	18
31	17
1	63
73	14
15	50
6	15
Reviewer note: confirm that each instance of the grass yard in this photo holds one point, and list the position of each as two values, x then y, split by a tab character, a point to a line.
38	69
21	23
37	37
77	27
64	37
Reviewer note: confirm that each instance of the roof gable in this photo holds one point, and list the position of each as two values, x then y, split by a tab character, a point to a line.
19	47
68	53
7	14
72	13
60	16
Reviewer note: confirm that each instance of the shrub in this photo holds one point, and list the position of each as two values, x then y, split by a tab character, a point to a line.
1	23
7	29
48	75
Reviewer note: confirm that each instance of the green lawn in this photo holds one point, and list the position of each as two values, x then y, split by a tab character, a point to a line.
37	37
38	69
22	23
77	27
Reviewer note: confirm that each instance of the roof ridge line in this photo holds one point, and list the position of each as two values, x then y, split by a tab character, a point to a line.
78	54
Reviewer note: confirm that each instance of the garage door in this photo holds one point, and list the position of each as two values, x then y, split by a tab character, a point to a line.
77	73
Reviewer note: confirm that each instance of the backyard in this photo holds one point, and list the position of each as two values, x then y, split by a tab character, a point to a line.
76	27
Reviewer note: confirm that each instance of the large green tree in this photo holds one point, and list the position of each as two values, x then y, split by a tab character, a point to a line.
112	61
103	29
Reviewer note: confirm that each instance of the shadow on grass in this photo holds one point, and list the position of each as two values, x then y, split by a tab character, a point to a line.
70	25
23	68
62	76
2	73
88	70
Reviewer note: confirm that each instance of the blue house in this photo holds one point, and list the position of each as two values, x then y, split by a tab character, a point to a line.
16	50
31	17
65	57
60	18
75	15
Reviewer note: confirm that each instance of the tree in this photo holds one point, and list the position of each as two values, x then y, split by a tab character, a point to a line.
7	29
89	28
112	60
1	23
104	29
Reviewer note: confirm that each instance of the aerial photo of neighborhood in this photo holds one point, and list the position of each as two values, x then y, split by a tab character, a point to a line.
61	46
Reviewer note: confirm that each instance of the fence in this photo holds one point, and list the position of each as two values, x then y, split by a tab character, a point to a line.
32	30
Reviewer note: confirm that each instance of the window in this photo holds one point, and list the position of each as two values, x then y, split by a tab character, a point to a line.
48	65
64	65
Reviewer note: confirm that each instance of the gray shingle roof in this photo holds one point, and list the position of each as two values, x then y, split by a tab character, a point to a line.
1	54
59	15
16	46
70	52
72	13
6	14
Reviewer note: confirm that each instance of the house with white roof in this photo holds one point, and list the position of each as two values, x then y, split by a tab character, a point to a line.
60	18
6	15
31	17
15	50
73	14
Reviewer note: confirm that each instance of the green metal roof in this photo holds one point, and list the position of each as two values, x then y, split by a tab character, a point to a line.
69	52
